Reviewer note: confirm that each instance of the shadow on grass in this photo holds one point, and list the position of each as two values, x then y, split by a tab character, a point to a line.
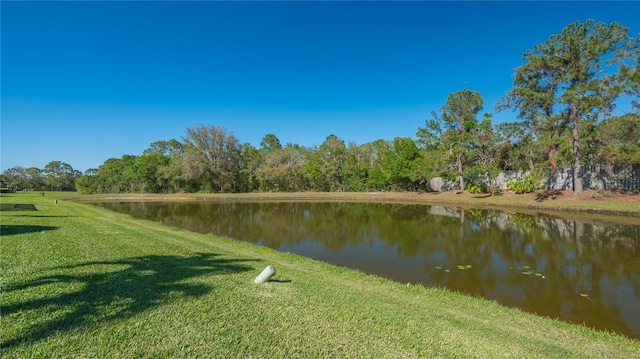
548	194
11	229
112	290
279	280
42	216
483	195
17	207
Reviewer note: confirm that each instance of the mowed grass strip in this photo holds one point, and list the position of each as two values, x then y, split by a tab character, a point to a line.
81	281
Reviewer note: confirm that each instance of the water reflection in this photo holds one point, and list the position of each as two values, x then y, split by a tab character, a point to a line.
575	271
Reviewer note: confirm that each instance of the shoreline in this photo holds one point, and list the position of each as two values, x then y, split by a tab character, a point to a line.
623	208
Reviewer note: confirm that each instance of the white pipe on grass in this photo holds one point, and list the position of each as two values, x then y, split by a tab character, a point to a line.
266	274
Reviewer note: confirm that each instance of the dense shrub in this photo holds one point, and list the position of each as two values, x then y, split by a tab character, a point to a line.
521	185
476	188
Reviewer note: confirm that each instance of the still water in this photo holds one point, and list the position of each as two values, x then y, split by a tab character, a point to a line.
578	272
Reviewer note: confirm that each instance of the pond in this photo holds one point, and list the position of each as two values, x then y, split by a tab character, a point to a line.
586	273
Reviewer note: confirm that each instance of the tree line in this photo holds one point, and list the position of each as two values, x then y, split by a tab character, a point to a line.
55	176
563	97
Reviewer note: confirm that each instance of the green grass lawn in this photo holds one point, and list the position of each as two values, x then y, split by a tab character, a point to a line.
81	281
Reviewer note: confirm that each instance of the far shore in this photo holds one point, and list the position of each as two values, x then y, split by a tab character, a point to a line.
618	206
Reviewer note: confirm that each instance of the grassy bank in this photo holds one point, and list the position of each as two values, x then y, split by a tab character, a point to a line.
80	281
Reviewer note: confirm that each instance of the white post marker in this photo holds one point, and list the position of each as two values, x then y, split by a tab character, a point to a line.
266	274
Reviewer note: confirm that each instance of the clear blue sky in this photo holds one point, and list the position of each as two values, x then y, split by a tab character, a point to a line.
83	82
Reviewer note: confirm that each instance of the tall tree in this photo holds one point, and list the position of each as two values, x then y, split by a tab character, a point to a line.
251	158
212	157
169	159
30	179
168	148
400	164
148	173
534	99
60	176
483	152
577	74
631	74
282	169
330	159
617	141
116	175
378	178
357	167
454	129
269	143
16	178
